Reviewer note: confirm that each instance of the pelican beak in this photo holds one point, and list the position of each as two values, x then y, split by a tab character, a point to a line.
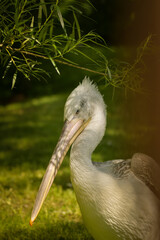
69	133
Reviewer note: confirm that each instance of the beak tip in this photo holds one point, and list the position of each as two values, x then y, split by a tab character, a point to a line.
31	223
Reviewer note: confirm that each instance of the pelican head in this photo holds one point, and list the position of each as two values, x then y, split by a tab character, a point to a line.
83	104
83	101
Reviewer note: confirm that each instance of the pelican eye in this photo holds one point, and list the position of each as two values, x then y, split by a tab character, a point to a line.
77	111
82	103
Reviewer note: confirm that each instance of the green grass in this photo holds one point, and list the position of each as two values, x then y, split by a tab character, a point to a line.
28	134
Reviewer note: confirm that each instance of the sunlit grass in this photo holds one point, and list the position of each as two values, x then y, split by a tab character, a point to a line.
29	132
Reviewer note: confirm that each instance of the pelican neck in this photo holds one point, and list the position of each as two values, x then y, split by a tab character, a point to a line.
88	140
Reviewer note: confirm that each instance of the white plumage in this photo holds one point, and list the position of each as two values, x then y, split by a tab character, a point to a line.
118	199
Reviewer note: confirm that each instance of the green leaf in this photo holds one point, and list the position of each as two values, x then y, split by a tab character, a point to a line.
55	66
39	16
70	43
51	29
43	34
7	68
109	73
14	79
61	19
53	63
44	7
86	56
31	29
77	26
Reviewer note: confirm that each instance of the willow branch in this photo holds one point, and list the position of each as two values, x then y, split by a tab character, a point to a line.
64	63
56	60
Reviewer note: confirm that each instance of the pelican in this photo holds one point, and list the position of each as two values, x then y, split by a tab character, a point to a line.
118	199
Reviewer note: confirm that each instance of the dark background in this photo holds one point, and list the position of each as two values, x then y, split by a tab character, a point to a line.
120	22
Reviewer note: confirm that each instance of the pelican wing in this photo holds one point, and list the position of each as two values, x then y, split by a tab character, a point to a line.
147	170
144	168
120	168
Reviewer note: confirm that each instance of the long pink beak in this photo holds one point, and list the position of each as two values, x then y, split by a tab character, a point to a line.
69	133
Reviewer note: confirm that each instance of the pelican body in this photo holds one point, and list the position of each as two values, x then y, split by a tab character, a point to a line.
118	199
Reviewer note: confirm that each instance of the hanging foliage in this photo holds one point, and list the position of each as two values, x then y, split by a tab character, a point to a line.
32	30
